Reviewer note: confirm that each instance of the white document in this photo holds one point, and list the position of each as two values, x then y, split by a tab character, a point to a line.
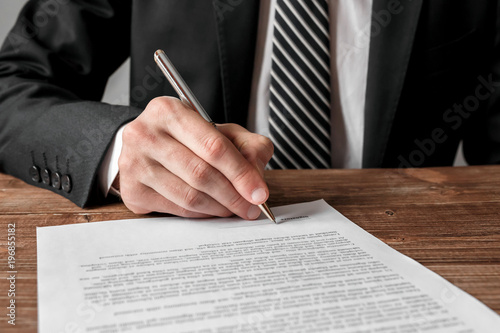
315	271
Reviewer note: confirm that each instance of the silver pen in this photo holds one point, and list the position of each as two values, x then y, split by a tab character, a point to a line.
187	96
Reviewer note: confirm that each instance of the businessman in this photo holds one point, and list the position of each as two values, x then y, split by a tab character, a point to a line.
390	83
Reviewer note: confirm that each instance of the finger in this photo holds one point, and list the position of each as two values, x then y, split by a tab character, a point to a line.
141	199
257	149
199	175
216	149
180	193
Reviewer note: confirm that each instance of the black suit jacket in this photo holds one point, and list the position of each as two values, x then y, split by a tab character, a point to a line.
432	80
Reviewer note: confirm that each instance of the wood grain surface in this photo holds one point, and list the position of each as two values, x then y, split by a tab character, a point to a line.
448	219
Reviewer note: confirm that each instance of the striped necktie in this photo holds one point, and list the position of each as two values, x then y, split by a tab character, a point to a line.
299	115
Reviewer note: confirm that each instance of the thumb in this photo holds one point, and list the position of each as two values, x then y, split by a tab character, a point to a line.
257	149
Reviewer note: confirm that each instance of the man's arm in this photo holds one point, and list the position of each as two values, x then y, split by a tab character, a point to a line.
172	160
54	65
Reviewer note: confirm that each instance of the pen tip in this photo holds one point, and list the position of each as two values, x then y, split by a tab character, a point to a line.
265	209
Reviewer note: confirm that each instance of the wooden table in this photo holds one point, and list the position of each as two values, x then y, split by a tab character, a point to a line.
448	219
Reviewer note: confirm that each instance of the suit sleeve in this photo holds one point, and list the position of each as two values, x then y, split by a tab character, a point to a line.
54	65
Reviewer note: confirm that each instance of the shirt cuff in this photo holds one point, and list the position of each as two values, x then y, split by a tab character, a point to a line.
109	166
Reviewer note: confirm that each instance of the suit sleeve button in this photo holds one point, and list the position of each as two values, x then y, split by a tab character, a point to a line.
35	174
66	183
46	176
56	180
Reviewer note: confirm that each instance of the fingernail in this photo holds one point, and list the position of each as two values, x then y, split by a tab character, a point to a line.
259	195
253	212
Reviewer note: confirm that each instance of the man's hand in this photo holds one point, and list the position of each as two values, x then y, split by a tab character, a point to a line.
173	161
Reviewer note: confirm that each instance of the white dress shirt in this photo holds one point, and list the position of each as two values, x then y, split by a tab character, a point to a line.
350	23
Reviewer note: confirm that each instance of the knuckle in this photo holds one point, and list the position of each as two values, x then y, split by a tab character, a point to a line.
129	165
267	144
164	108
236	201
138	133
160	103
246	150
264	145
244	175
131	132
258	146
193	199
155	111
215	147
201	173
124	163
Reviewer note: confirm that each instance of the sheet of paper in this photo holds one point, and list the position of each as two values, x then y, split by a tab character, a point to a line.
314	271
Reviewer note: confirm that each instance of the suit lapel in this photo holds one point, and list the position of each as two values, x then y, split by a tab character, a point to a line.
236	33
393	31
